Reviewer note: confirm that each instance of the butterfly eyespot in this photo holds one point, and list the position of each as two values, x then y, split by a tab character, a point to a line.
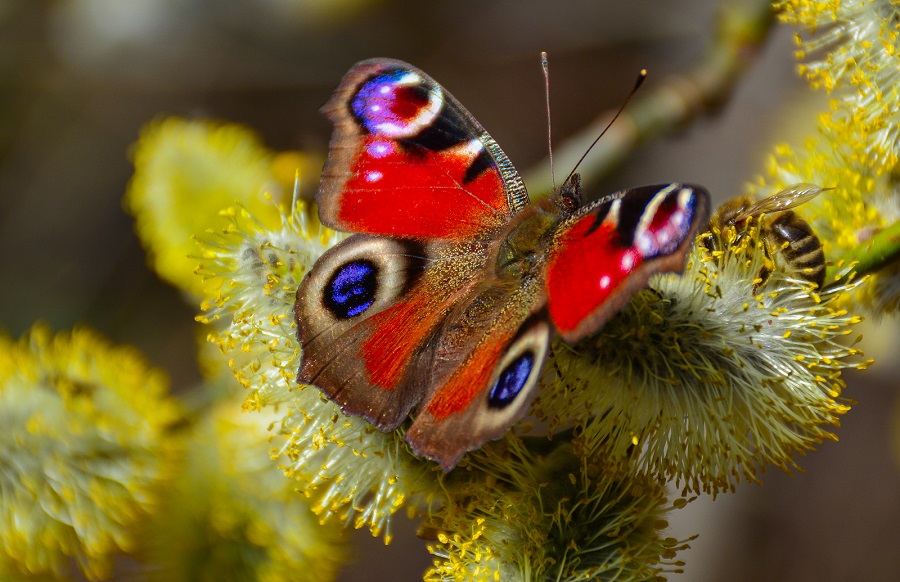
396	104
352	288
664	224
511	381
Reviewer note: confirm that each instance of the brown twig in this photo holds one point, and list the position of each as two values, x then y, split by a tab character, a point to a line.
742	28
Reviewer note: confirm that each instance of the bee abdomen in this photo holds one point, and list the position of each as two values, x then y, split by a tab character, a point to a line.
800	246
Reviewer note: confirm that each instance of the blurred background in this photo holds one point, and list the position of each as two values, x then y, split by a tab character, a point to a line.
79	78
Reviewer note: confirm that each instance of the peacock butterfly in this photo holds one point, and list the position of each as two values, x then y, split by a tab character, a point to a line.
444	300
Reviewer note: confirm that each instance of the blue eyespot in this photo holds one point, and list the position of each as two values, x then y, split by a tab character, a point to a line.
351	289
373	100
511	381
390	104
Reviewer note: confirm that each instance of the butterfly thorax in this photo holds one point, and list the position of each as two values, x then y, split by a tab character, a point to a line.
524	245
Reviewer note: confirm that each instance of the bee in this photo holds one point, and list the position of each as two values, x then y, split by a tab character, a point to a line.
783	230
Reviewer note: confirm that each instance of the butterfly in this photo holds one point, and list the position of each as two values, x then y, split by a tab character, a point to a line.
443	303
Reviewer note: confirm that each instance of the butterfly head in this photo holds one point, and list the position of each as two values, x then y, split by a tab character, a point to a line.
568	196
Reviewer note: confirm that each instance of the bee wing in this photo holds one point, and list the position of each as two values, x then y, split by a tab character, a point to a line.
785	199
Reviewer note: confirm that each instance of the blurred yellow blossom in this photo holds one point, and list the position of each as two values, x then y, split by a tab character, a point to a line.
232	516
186	172
85	446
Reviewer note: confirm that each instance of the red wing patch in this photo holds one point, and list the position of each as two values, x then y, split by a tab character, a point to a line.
407	160
398	332
588	267
407	190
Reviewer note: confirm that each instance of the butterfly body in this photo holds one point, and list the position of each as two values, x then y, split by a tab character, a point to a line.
443	305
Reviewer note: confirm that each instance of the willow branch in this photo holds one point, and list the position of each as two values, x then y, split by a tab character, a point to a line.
741	29
873	254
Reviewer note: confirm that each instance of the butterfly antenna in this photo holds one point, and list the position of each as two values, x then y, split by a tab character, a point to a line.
545	66
640	80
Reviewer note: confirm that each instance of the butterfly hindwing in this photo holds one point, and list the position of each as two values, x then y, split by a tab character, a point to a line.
606	252
365	315
486	363
407	160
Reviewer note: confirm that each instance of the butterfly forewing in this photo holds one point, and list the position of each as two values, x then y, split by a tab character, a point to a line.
604	254
408	160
